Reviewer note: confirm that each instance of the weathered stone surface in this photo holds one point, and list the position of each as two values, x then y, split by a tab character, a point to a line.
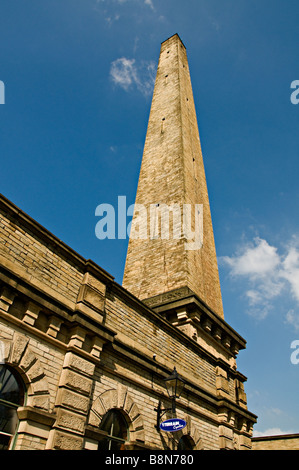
76	381
40	401
172	172
73	400
64	441
76	362
72	421
19	344
28	359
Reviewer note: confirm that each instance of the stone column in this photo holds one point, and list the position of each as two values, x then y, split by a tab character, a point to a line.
72	403
226	434
34	428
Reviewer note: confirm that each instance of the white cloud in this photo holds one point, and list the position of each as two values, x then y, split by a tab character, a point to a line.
256	260
127	74
290	270
123	72
293	319
268	275
149	3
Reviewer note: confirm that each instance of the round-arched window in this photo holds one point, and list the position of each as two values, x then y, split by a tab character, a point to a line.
116	427
11	397
185	443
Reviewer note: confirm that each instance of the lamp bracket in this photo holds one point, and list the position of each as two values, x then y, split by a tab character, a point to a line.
161	412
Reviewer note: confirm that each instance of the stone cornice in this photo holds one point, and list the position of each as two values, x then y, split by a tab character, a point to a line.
180	297
199	314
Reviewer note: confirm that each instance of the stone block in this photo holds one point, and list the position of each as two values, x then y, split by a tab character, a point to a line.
76	381
77	363
36	371
31	313
73	400
40	401
40	386
28	359
63	441
71	421
19	344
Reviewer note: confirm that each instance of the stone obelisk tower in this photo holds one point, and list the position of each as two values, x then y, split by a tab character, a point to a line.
172	176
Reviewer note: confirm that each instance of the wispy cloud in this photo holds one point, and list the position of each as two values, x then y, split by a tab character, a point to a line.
290	270
129	75
149	3
268	274
292	318
271	432
115	10
145	2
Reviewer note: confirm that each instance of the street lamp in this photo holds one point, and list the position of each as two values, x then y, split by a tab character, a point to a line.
174	386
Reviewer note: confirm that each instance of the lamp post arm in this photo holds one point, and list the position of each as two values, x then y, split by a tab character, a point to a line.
161	412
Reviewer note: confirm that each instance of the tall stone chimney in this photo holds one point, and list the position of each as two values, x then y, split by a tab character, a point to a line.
176	258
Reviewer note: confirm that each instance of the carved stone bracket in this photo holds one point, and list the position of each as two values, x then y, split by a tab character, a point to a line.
183	309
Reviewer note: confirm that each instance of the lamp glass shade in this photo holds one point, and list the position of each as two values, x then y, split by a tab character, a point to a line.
174	385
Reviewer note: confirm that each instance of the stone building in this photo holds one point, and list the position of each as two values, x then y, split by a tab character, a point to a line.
276	442
84	359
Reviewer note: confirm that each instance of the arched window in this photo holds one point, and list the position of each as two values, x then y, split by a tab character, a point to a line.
185	443
11	397
116	426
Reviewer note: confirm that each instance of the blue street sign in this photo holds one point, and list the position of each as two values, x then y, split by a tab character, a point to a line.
172	425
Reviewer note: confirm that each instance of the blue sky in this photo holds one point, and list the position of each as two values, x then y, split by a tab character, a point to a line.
78	78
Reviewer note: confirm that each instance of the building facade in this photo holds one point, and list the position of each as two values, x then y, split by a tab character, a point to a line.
84	359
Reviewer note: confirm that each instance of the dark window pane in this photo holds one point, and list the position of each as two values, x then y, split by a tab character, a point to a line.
119	426
185	443
4	441
116	426
104	444
116	445
107	422
8	419
10	389
11	397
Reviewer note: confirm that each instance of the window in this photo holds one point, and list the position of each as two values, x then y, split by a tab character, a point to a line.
11	397
117	428
185	443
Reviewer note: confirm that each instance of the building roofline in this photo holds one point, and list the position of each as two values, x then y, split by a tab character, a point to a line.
276	437
49	238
